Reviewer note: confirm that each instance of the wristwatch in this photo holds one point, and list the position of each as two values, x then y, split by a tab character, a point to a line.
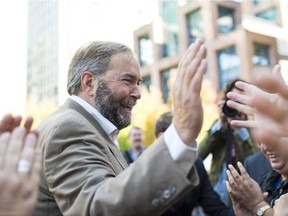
260	211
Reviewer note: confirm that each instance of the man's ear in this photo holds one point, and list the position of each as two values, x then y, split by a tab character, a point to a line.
88	83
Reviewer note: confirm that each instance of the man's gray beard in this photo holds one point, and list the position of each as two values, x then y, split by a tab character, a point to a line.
110	107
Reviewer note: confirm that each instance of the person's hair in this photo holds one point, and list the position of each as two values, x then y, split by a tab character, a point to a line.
163	122
231	85
94	57
134	127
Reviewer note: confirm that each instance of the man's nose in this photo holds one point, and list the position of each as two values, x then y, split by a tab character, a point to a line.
135	92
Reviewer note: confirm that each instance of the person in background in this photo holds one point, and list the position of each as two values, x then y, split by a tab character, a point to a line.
269	128
137	147
226	143
202	200
84	172
20	164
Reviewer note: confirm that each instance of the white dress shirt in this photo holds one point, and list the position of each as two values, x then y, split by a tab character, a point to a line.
177	148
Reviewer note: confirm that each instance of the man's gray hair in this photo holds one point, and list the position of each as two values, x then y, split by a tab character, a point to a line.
94	57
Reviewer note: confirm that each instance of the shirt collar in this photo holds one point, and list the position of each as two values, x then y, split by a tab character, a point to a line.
108	127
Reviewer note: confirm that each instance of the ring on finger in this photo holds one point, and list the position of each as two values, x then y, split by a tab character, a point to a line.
24	167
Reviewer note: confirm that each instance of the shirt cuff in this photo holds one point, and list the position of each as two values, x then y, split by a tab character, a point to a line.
177	148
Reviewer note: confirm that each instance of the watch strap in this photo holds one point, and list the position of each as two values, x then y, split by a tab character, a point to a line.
262	210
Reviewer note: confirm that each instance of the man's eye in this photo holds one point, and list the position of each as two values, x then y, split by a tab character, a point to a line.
127	81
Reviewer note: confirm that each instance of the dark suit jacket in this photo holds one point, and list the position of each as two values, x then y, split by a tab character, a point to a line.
203	195
84	173
257	166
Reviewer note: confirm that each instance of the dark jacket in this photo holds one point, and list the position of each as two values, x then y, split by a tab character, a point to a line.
203	195
268	185
257	166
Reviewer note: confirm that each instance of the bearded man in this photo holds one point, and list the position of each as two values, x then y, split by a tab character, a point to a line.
84	172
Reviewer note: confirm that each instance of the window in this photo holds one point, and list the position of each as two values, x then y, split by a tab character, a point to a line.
228	66
145	51
270	14
256	3
171	47
194	25
146	81
261	54
169	14
166	82
226	20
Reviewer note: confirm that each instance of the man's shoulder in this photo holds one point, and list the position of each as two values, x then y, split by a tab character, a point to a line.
61	116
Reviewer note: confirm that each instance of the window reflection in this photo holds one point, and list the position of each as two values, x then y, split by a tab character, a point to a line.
166	77
226	20
228	65
146	81
145	50
194	25
261	54
270	14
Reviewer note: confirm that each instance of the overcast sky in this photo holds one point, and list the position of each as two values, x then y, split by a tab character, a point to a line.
113	20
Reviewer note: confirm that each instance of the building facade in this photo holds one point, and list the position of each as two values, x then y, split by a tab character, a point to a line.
42	53
243	38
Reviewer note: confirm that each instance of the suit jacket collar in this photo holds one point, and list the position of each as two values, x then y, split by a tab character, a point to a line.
113	148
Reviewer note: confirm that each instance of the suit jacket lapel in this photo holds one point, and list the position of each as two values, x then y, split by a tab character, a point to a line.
113	148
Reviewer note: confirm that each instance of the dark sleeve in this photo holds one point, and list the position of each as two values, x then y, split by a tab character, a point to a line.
211	141
246	164
209	199
127	157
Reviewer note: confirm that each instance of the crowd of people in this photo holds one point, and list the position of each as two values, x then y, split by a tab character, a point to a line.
71	164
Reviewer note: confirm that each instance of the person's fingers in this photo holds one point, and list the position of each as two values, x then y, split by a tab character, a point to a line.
4	139
5	122
28	152
229	189
191	52
186	59
28	123
14	148
231	179
16	122
237	178
241	106
273	82
243	123
199	76
244	174
190	66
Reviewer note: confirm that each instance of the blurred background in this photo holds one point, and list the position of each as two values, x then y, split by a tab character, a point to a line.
39	37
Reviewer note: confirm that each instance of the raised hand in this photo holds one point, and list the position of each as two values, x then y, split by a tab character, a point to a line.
9	122
242	188
267	106
188	110
20	164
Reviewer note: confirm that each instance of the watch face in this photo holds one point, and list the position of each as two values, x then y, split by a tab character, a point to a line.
259	212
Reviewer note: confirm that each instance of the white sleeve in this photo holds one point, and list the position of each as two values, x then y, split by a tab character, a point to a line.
177	148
